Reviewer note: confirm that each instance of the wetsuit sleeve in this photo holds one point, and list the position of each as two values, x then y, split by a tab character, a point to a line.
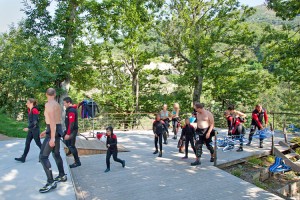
255	117
114	141
154	127
266	117
71	117
35	117
165	127
183	132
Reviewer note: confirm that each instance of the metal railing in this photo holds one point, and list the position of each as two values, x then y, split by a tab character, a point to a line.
144	121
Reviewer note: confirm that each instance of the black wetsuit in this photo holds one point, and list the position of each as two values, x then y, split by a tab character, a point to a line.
46	150
112	150
159	127
257	120
200	137
71	122
188	131
33	130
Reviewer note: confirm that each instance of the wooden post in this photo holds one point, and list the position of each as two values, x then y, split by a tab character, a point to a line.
272	150
215	148
284	131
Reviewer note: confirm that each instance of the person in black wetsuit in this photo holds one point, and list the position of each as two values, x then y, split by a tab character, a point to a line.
51	142
237	128
159	127
258	115
229	120
33	129
112	149
188	131
71	122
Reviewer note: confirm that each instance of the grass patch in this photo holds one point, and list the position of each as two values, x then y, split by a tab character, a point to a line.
237	172
259	184
12	128
298	150
290	175
296	140
255	161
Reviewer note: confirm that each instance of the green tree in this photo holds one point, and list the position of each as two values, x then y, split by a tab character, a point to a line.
62	32
286	9
128	24
202	34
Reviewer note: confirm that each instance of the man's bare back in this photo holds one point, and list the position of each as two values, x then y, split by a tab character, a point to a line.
52	112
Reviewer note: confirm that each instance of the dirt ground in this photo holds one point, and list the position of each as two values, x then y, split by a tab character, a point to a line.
247	171
4	137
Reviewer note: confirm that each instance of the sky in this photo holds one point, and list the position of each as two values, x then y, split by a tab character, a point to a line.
10	11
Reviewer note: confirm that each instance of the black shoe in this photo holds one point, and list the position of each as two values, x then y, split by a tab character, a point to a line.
76	164
69	153
48	187
175	137
61	178
197	162
107	170
160	154
212	159
240	149
21	159
180	151
165	142
123	163
261	145
185	157
248	144
155	152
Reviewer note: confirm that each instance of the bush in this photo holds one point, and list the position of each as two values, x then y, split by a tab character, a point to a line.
255	161
270	159
237	172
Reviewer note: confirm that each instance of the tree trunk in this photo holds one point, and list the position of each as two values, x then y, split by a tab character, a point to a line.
198	88
70	36
135	89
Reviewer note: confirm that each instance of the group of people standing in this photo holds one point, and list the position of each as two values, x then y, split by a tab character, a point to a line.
202	134
236	119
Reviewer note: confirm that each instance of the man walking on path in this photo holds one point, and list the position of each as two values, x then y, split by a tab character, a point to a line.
205	125
52	141
71	122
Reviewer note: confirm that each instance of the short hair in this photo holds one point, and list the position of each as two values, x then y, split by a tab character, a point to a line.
199	105
33	101
68	100
258	105
51	92
157	115
231	107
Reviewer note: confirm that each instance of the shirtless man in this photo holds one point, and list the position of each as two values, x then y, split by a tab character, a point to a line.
205	125
52	142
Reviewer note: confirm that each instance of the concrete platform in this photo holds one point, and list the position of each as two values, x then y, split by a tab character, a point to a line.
22	181
148	177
